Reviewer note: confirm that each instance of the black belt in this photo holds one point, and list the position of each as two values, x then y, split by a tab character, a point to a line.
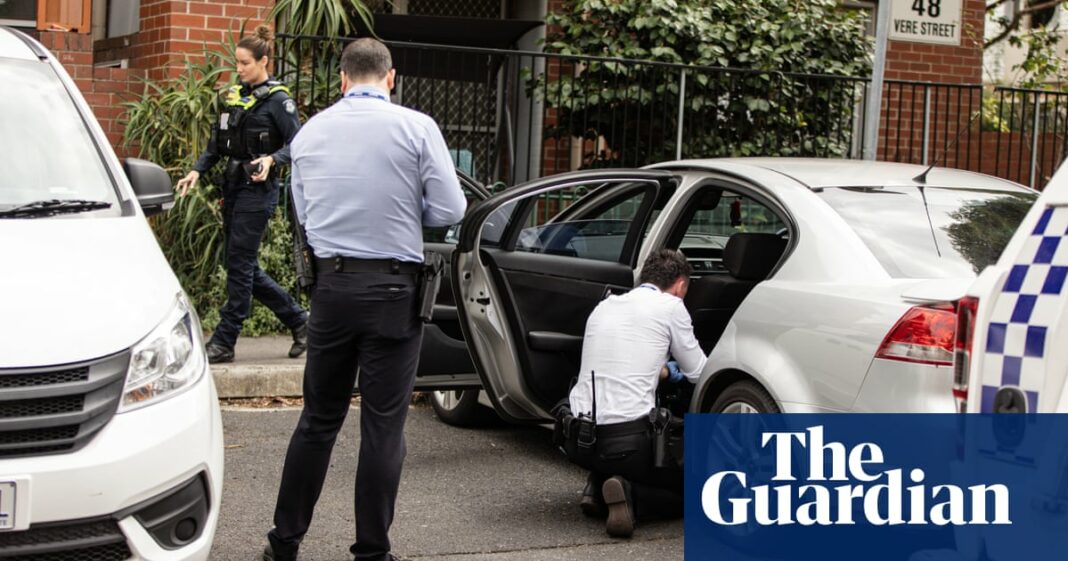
636	426
353	265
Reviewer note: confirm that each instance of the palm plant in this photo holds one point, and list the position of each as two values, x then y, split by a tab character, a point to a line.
331	18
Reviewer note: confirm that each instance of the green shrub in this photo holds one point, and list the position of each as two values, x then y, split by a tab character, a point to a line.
727	113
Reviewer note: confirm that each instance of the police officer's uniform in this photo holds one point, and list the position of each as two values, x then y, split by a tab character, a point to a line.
256	120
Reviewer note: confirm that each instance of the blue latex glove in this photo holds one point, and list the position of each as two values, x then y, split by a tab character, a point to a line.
674	374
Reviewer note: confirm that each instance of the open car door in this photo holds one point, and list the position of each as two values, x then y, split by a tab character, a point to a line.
531	264
444	362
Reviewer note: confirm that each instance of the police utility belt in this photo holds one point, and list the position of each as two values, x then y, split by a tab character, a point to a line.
429	274
577	435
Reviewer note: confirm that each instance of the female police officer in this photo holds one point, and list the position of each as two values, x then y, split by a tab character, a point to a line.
257	121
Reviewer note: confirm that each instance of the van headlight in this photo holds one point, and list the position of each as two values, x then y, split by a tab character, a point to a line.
170	359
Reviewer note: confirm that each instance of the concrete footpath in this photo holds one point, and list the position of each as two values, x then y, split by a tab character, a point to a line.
261	368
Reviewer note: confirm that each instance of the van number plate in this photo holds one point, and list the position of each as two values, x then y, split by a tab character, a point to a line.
7	505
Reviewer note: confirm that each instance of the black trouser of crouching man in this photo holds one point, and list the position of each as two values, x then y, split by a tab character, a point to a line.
627	450
365	320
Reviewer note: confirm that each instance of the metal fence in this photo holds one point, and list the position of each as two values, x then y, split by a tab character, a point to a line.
509	116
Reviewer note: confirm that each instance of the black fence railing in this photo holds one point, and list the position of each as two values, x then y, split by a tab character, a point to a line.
510	116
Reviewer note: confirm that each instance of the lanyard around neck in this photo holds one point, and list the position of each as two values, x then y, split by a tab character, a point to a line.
367	93
650	286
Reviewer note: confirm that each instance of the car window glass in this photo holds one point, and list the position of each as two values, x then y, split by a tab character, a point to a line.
494	226
46	151
707	234
598	231
936	233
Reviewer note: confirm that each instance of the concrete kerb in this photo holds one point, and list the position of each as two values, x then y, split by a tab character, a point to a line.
258	380
260	369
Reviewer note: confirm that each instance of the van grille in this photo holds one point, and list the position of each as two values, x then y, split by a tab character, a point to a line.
99	540
58	409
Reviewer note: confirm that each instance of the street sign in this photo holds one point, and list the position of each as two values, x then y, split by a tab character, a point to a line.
926	21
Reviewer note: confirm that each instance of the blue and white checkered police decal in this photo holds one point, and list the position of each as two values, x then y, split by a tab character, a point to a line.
1026	312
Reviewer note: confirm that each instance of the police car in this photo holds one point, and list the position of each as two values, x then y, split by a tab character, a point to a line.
1012	325
1011	359
111	443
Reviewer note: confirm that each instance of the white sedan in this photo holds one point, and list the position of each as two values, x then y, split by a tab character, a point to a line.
818	285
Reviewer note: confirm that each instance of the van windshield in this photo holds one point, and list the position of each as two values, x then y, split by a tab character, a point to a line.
937	233
46	153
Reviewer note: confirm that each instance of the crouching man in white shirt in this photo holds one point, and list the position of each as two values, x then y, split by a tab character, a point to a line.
626	349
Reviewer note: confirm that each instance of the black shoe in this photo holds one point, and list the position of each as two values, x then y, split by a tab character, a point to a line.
616	493
592	503
300	340
218	353
269	554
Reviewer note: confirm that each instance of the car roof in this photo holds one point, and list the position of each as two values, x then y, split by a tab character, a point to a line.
14	46
817	173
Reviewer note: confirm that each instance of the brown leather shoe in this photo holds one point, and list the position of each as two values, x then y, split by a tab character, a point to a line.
616	491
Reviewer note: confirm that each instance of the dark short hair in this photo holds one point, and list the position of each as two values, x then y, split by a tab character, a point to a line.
366	58
665	267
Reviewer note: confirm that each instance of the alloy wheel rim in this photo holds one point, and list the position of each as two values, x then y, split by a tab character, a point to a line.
740	407
448	399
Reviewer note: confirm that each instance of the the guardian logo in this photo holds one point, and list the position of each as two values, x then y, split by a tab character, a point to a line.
879	497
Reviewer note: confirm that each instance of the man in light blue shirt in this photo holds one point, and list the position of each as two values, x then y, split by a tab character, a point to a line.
367	176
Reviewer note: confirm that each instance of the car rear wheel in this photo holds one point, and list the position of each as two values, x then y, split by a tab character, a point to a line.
746	396
459	407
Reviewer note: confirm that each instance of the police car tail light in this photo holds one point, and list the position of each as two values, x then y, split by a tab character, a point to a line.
924	335
966	310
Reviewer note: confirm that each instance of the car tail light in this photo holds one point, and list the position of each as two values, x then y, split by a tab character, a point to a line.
966	310
924	335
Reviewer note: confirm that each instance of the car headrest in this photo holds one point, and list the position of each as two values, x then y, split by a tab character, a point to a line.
752	256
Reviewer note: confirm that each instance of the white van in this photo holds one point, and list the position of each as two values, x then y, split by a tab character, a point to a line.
110	433
1011	351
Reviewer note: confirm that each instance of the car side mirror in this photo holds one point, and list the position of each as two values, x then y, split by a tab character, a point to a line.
151	184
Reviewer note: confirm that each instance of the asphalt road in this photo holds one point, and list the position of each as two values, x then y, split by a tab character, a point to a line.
500	493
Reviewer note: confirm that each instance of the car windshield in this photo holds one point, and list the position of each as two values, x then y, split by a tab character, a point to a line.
46	152
958	233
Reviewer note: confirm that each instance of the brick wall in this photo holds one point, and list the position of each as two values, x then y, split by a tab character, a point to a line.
170	31
555	152
950	108
961	64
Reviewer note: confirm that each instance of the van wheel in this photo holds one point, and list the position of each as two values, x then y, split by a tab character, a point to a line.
459	408
746	396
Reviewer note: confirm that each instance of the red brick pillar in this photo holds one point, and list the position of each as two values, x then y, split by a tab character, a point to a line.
171	31
941	81
555	152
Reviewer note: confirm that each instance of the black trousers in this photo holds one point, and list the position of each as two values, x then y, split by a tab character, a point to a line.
247	208
364	320
626	450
